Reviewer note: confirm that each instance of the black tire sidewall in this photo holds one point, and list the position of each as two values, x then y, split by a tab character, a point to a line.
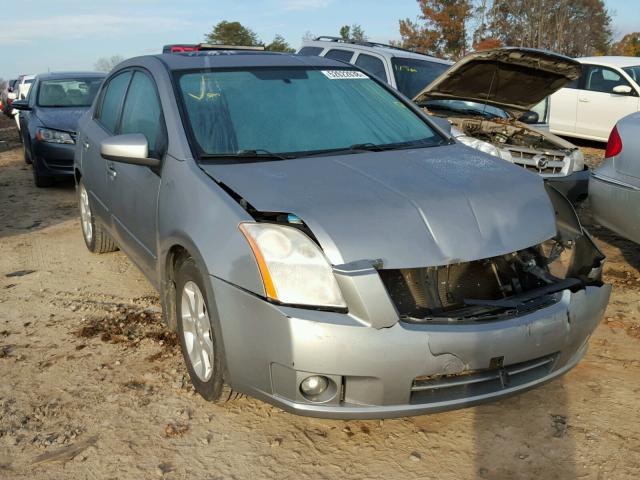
27	153
40	181
211	389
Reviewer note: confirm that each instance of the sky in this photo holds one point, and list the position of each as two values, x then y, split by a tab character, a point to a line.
72	34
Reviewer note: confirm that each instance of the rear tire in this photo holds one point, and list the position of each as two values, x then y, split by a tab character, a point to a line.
95	237
198	342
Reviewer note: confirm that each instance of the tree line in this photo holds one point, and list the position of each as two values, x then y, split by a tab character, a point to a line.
234	33
576	28
452	28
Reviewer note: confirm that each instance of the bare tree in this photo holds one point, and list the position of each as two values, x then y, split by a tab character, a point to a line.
308	36
106	64
572	27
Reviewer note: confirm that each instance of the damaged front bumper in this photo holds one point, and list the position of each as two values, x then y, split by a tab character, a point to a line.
405	369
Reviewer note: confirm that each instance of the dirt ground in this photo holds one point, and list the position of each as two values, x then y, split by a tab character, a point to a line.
93	387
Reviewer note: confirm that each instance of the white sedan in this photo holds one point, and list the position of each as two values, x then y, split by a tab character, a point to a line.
590	106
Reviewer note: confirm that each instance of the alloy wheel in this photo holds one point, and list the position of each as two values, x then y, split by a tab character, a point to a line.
85	215
196	330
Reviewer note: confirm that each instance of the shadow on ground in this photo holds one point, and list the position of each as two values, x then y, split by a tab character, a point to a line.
24	207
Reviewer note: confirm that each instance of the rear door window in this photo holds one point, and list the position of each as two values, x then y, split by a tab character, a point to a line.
372	65
339	54
112	101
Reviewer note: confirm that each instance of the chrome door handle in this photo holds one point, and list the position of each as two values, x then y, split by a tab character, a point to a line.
86	145
582	99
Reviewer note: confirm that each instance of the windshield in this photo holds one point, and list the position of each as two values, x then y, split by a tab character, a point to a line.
633	72
68	92
466	107
412	75
295	111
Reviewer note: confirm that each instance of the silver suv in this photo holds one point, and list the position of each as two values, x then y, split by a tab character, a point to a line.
404	70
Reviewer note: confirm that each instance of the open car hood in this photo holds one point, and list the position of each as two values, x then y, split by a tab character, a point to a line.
514	79
409	208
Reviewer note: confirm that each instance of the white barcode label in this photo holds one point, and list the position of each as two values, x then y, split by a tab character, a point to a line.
343	74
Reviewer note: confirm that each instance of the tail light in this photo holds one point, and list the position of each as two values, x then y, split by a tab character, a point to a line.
614	145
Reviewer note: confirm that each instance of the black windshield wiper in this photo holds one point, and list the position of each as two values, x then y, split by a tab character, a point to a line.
372	147
247	155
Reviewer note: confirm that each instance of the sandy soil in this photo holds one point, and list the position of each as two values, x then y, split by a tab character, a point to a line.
92	386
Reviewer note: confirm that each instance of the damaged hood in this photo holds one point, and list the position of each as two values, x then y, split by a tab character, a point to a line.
409	208
514	79
63	118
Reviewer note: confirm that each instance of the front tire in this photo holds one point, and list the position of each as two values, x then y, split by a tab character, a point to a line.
26	153
198	342
95	237
40	180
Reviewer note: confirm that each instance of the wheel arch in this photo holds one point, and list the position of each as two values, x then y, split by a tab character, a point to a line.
177	249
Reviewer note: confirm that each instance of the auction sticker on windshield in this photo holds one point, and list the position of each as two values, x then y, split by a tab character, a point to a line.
343	74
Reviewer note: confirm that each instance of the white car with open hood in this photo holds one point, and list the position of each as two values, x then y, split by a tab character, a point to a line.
488	98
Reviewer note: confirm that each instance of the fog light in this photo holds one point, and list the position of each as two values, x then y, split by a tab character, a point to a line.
314	386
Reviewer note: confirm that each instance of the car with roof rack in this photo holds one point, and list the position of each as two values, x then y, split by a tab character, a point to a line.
405	70
299	218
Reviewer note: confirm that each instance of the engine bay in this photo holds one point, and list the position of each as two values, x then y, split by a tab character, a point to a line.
502	133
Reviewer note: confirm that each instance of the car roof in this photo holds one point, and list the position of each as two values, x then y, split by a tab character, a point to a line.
387	50
611	61
239	59
63	75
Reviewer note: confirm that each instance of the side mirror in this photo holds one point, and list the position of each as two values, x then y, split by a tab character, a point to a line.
131	148
21	105
530	117
622	89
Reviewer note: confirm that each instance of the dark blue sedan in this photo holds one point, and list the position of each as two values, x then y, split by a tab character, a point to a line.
49	118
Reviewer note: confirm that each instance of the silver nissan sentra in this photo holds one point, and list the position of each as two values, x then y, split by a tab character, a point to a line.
320	243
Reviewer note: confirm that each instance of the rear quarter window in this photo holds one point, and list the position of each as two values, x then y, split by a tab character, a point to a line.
310	51
339	54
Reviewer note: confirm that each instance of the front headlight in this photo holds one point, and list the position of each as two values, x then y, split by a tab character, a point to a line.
577	160
53	136
294	270
483	146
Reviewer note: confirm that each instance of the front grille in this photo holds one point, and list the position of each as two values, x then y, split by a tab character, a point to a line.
479	382
549	162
